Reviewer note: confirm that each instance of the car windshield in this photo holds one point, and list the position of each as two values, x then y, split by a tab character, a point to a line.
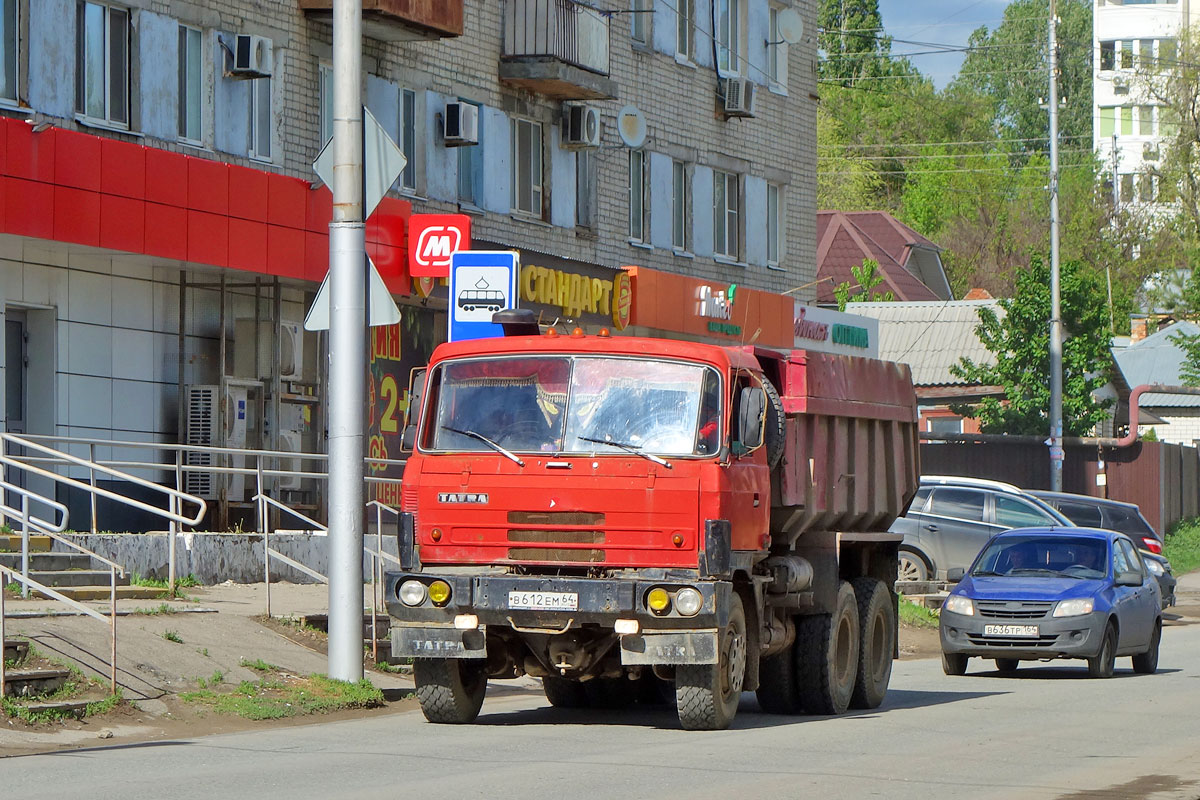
579	404
1054	556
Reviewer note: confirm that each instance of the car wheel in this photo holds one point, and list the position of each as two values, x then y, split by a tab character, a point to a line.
911	567
1147	663
1101	664
1008	664
954	663
876	642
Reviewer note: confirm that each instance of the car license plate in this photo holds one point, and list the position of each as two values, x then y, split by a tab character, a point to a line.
1010	630
544	601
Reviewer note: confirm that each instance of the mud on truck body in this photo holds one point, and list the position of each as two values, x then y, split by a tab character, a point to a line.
641	520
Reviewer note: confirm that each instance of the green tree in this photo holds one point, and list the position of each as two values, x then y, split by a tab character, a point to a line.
1020	343
851	36
845	181
868	276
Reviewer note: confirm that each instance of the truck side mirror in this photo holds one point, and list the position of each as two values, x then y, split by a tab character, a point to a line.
416	391
752	406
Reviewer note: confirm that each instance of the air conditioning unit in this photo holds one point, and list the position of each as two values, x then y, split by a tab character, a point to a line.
252	57
739	97
201	422
1150	151
249	337
460	124
289	441
581	126
1121	83
236	411
291	350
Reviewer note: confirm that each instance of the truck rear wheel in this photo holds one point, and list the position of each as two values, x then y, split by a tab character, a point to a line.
563	693
876	643
826	654
777	684
707	695
450	689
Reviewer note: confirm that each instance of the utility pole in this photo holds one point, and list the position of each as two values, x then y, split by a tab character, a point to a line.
1056	386
347	349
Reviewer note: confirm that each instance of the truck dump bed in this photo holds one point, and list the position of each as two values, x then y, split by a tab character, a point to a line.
850	457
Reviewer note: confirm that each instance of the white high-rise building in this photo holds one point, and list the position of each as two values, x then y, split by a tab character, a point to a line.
1128	37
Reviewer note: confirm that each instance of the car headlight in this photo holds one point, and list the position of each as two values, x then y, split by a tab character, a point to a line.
688	602
412	593
1073	608
957	604
1156	569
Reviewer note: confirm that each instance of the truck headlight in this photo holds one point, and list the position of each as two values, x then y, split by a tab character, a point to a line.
957	604
412	593
439	592
1073	608
688	602
658	601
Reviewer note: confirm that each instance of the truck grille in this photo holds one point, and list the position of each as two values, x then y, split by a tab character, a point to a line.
1004	609
555	518
556	537
556	554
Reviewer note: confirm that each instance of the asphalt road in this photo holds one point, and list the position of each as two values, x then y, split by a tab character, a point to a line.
1048	732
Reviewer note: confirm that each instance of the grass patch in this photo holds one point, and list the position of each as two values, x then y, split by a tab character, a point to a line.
917	616
1182	546
258	665
185	582
279	695
13	588
172	636
383	666
216	679
161	608
75	685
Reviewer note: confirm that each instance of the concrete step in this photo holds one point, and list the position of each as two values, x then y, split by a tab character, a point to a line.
321	623
74	708
15	650
47	561
12	543
33	682
76	577
103	592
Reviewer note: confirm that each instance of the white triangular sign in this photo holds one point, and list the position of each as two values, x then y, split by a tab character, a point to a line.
381	308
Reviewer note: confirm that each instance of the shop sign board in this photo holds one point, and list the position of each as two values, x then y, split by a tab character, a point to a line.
482	282
578	294
830	331
432	239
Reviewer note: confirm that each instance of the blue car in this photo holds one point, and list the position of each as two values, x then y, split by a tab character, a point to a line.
1042	593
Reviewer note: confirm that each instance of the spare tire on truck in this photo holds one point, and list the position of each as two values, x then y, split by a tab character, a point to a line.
775	430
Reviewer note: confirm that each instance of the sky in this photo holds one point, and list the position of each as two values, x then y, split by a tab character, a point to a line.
940	21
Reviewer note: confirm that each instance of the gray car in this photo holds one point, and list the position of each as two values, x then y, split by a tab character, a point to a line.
951	518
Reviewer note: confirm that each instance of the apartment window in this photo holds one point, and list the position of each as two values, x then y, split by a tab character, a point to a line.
526	167
325	89
685	26
1145	120
10	42
1127	187
639	24
639	210
102	63
1108	121
777	49
1108	55
728	35
1127	55
470	168
1145	53
585	189
679	206
726	213
1166	53
774	226
1146	187
1127	120
189	83
260	119
408	138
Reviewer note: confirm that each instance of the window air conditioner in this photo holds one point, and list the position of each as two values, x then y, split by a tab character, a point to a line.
1121	83
739	97
460	124
251	57
1150	151
581	126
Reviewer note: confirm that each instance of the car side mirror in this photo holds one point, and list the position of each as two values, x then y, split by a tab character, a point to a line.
955	574
1128	579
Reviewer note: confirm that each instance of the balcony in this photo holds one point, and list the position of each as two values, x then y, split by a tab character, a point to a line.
400	20
556	48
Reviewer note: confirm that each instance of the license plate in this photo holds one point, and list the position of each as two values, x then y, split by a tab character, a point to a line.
544	601
1010	630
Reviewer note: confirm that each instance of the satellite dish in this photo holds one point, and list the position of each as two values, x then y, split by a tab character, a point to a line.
631	125
790	25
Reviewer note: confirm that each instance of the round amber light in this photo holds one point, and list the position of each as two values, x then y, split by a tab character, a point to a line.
439	593
678	540
436	534
658	600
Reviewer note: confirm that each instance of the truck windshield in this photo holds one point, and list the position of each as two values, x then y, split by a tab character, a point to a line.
579	404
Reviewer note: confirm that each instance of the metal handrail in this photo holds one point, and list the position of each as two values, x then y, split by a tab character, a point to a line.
111	620
377	572
9	511
268	553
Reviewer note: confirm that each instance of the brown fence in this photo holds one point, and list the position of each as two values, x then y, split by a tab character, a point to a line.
1163	479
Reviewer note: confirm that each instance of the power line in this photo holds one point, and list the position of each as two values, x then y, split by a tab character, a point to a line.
949	170
938	155
955	144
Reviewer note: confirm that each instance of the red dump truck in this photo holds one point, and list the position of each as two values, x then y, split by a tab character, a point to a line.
646	520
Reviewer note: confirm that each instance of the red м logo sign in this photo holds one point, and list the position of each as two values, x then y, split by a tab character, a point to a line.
432	238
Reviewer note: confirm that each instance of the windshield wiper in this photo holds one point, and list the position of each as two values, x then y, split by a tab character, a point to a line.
986	573
629	448
1034	571
502	451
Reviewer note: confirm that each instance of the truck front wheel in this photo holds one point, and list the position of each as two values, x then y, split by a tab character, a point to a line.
707	694
450	689
826	653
